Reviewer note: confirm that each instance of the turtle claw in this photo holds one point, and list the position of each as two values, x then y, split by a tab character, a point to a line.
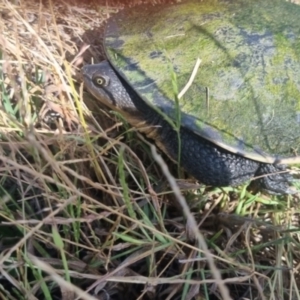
275	179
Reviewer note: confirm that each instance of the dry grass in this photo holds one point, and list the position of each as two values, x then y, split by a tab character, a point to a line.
88	210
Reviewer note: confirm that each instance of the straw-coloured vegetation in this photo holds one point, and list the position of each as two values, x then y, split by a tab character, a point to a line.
90	209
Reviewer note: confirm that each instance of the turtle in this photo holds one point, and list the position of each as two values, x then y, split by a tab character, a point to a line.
238	118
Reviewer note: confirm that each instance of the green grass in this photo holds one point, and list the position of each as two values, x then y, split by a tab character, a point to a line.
90	209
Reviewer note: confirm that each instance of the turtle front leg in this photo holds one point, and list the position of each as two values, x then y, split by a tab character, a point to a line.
274	179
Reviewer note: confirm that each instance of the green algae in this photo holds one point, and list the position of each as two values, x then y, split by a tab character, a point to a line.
250	66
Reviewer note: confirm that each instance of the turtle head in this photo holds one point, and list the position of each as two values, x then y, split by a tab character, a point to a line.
105	85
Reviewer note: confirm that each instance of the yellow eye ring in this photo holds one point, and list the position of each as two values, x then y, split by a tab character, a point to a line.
100	81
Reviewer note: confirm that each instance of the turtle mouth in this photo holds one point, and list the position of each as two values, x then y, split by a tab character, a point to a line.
86	80
101	93
86	77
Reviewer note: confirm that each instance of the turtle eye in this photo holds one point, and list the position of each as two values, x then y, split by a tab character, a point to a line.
100	81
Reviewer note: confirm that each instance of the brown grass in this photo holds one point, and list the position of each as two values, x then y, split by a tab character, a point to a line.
89	210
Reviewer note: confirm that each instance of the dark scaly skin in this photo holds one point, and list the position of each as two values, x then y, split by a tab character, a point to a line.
207	162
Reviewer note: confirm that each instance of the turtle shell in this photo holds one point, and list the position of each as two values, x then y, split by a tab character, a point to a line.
245	96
